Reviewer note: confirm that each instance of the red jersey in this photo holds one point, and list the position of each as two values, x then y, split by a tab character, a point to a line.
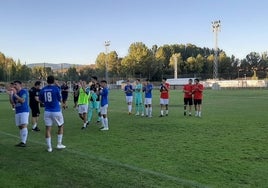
198	91
164	91
187	89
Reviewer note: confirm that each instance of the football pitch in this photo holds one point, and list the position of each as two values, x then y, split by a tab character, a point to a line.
226	147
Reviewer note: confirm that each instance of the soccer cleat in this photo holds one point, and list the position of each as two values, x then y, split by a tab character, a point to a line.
142	115
166	114
83	128
129	113
49	149
137	114
184	113
60	146
104	129
21	144
160	115
36	129
190	114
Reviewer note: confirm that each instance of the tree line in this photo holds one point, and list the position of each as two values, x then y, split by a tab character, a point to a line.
143	62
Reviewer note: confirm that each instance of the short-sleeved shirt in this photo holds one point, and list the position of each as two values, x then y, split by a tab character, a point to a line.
21	107
51	97
164	92
196	90
104	96
188	88
64	90
128	90
33	93
148	90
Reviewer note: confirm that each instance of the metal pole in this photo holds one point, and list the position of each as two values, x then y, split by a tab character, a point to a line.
106	44
216	28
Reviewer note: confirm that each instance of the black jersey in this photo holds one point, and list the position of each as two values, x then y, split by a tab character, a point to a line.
33	92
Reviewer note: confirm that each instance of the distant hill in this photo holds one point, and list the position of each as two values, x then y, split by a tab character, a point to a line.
54	66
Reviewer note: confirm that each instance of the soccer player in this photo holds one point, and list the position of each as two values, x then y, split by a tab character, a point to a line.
198	96
138	98
128	89
83	99
104	92
51	97
94	102
9	89
34	104
75	94
148	98
188	97
64	94
164	97
19	97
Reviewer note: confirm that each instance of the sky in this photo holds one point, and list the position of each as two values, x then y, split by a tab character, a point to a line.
75	31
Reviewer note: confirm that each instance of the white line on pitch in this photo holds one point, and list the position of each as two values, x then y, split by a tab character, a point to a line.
180	181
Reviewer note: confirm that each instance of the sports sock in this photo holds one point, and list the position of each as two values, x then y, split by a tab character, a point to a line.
102	122
34	126
106	122
24	135
60	138
146	111
48	140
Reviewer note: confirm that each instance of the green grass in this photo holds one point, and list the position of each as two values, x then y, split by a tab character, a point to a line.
227	147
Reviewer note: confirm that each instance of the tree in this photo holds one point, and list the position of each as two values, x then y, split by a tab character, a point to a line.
71	74
138	59
225	66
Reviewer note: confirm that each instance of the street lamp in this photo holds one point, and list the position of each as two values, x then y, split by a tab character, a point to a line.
216	28
106	44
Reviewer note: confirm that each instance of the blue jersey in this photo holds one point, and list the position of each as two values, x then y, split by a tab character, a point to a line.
104	96
148	90
129	90
51	97
21	107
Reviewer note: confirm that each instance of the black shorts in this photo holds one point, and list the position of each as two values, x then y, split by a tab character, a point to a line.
64	97
35	111
197	101
188	101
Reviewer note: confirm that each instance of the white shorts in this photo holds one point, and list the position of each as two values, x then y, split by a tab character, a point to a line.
22	118
104	109
164	101
82	108
53	117
147	101
129	99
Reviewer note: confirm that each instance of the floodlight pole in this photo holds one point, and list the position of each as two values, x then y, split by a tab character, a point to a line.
216	28
106	44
